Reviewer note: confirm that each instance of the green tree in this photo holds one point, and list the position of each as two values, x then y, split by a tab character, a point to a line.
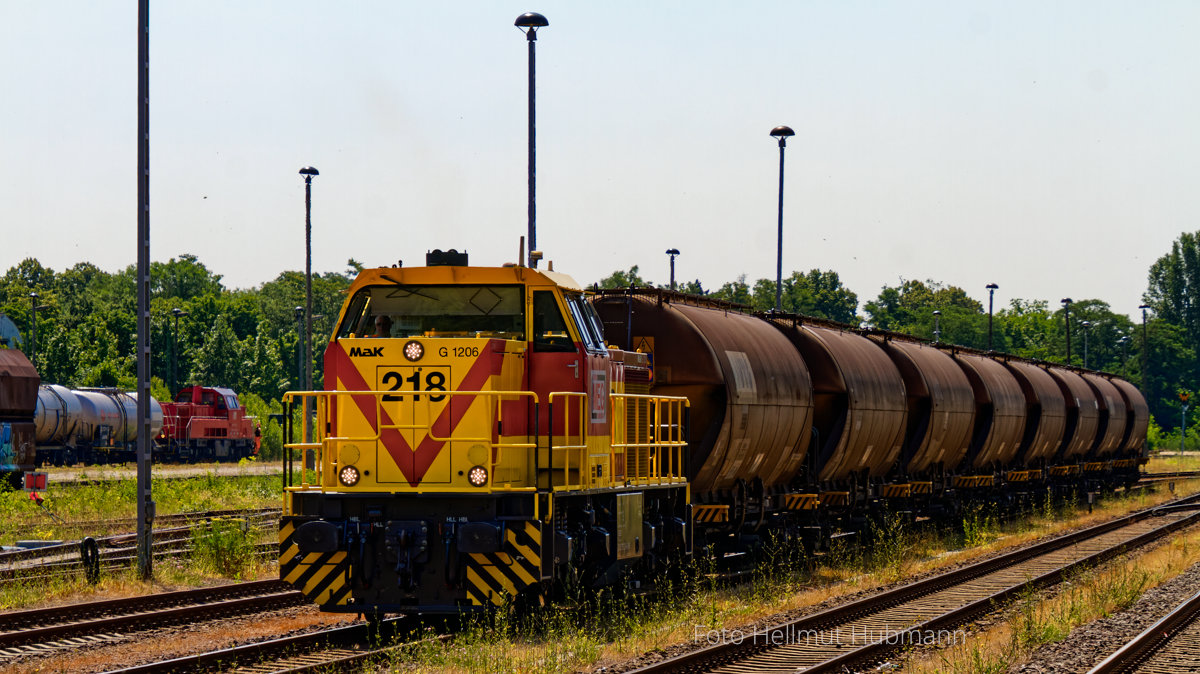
183	278
814	293
909	308
624	279
1026	327
737	292
220	357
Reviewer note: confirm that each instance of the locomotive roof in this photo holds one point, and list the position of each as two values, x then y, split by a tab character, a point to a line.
447	275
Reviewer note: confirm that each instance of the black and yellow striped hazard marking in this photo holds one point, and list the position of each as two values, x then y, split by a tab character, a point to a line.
921	488
1063	471
1023	475
497	577
710	513
896	490
323	577
800	501
973	481
835	498
1095	466
1125	463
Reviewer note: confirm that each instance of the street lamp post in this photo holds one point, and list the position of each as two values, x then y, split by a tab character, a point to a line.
1145	351
299	344
529	22
308	172
1087	328
672	252
1066	302
991	288
782	133
34	308
1183	399
1124	342
177	313
937	326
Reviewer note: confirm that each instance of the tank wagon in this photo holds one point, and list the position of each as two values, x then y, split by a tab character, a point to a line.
99	426
492	434
18	397
91	425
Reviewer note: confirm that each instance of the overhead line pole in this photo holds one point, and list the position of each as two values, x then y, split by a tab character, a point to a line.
145	506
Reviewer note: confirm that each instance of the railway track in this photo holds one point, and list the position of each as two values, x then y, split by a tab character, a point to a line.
922	613
1166	647
332	650
115	551
41	631
1174	475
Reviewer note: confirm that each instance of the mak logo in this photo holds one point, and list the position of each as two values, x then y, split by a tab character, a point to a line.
359	352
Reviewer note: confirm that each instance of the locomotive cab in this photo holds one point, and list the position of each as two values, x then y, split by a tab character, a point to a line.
477	443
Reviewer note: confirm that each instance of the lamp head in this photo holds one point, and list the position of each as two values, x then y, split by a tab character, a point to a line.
992	286
309	171
672	251
782	132
1066	301
529	22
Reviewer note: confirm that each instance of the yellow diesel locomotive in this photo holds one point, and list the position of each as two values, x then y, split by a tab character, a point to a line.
478	443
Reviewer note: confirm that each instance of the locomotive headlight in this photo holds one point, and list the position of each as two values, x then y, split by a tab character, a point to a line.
477	476
414	351
348	476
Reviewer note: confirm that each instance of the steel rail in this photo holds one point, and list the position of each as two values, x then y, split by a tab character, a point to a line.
334	649
730	651
42	626
1155	639
1174	475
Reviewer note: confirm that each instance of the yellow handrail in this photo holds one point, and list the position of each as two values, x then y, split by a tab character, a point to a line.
581	448
324	443
663	419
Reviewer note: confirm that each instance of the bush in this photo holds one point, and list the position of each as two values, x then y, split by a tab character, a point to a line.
223	546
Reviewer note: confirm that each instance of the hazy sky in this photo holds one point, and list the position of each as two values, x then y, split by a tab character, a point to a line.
1050	147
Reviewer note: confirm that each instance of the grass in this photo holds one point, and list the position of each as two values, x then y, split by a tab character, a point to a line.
65	506
1169	462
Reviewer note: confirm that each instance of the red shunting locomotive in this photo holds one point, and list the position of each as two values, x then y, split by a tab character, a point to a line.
206	423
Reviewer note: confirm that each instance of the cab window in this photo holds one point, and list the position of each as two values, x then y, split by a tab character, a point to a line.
591	339
436	311
549	327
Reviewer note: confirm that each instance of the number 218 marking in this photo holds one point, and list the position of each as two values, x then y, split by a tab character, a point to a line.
433	380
